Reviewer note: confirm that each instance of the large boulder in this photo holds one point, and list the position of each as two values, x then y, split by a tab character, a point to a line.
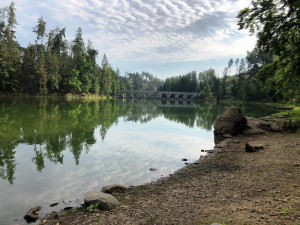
105	201
232	121
113	188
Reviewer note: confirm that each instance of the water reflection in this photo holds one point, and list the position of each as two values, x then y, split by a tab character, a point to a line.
51	126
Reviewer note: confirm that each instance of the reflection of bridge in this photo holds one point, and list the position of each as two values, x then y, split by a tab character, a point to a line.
157	94
158	103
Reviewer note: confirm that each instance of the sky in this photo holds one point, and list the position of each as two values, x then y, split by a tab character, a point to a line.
164	37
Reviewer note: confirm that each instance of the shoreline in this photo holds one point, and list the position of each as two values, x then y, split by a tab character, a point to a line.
228	185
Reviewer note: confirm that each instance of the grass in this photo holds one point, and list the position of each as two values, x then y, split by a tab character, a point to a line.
92	207
284	212
74	211
291	118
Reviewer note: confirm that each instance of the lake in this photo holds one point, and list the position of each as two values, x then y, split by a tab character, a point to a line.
55	150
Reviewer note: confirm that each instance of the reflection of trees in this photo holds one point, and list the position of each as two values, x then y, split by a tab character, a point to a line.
52	126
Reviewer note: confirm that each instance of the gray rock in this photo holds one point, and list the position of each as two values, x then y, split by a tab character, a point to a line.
32	215
113	188
105	201
152	169
227	135
210	151
232	121
275	128
253	147
258	124
252	131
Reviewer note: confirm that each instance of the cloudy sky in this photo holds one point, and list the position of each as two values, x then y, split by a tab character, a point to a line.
164	37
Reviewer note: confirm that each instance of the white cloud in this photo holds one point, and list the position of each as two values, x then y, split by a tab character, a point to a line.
134	30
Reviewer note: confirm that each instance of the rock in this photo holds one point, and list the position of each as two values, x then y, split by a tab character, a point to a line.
210	151
251	131
54	204
184	159
275	128
258	124
202	150
32	215
227	135
113	188
253	147
105	201
232	121
215	224
152	169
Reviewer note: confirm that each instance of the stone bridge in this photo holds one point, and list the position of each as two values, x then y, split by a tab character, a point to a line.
157	94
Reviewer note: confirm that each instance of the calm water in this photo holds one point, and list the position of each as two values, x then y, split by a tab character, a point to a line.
54	150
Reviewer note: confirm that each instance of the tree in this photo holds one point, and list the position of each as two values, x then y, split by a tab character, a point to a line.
277	26
106	77
39	30
236	64
230	63
242	67
71	82
256	59
42	74
29	75
9	51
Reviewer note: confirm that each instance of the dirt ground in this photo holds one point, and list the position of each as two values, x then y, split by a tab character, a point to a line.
229	186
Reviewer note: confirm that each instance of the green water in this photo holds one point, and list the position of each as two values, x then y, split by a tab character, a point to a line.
54	150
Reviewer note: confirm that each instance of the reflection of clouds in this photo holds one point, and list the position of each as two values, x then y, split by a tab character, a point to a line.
124	157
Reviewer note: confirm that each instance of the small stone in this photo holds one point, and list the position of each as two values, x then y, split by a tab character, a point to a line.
202	150
152	169
253	147
105	201
184	159
113	188
32	215
54	204
227	135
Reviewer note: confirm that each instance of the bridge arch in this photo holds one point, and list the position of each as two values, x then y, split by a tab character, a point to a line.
172	96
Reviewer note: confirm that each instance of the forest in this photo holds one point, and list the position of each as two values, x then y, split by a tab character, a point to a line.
52	64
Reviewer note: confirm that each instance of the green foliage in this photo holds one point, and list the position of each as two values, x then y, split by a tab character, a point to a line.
71	82
277	27
185	83
92	207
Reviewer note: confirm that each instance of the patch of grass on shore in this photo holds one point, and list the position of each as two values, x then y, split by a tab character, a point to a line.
290	117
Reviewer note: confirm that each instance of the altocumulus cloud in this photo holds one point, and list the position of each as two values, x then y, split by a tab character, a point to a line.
145	33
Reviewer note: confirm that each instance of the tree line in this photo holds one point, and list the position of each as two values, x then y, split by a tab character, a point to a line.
52	64
238	81
270	72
